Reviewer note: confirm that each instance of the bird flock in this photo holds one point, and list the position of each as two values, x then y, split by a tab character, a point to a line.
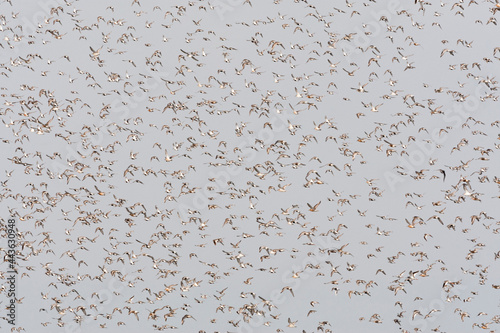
243	166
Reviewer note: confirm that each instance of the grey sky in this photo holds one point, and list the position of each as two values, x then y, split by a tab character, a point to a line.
211	119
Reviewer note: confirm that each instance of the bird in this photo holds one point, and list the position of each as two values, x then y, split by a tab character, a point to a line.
313	208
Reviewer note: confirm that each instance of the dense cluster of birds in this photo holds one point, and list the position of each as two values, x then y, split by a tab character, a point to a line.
234	166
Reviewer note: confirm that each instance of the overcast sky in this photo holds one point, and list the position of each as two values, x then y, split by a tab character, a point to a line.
162	128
